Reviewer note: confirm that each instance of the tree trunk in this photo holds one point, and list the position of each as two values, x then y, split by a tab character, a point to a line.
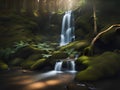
94	17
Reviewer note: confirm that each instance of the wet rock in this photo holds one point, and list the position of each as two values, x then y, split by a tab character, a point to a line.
74	86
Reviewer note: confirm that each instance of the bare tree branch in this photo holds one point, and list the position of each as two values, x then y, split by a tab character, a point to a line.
99	34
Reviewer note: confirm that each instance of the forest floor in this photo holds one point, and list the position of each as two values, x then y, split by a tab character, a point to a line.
21	79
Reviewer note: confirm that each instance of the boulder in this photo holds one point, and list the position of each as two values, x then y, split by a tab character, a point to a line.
3	66
101	66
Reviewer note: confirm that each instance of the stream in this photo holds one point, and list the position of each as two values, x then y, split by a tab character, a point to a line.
21	79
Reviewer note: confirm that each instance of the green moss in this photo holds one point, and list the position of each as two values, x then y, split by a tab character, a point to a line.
59	55
84	60
77	45
27	51
27	64
3	66
38	63
88	51
104	65
16	61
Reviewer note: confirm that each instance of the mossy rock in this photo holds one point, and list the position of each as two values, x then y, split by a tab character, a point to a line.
38	64
27	51
77	45
3	66
59	55
35	56
104	65
27	64
16	61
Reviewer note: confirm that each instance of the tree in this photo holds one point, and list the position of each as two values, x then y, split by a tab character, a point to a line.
94	16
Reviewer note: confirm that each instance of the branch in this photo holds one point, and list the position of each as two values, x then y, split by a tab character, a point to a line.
99	34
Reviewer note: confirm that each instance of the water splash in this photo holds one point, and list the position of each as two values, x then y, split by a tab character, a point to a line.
58	66
67	33
70	66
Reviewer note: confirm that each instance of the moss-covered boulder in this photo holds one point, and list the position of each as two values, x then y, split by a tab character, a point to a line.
28	52
39	64
27	64
59	55
56	56
104	65
16	61
77	45
3	66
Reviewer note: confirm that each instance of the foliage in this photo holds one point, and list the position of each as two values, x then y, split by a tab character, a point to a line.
46	55
44	46
5	53
20	44
71	52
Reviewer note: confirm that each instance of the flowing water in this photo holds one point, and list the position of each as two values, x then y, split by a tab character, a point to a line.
66	66
28	80
58	66
67	33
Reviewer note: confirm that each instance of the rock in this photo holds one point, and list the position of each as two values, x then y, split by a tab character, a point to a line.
3	66
57	55
74	86
77	45
104	65
35	56
39	64
27	64
27	51
16	61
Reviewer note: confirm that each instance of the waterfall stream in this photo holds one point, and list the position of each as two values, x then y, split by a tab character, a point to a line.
65	66
58	66
67	33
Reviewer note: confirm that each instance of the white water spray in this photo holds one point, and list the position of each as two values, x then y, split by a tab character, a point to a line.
70	66
58	66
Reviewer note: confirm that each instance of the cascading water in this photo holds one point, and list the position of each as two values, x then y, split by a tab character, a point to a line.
70	66
58	66
67	33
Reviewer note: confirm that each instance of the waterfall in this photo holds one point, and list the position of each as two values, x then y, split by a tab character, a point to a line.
72	65
58	66
69	66
67	32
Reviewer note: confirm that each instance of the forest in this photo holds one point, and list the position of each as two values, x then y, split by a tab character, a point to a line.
59	44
